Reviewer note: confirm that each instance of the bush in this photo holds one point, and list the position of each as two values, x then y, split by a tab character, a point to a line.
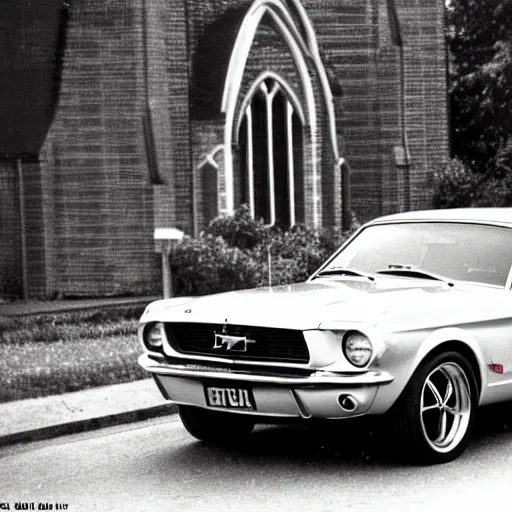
497	189
239	230
207	264
296	253
233	254
455	185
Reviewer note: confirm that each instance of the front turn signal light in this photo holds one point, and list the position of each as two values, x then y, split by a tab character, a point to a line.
154	336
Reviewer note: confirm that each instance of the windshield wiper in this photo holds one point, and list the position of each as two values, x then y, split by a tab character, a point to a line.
405	271
339	271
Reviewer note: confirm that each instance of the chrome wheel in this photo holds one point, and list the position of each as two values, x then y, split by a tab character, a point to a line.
434	416
445	407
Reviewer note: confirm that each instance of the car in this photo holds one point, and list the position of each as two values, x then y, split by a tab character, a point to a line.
410	320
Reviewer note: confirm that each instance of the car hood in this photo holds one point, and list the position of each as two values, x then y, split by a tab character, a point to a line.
324	302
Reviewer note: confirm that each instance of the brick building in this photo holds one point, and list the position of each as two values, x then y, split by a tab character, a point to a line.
121	116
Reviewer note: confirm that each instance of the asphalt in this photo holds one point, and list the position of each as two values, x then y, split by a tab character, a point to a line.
44	418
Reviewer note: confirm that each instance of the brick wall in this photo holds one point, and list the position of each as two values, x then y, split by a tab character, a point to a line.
355	37
347	36
426	92
94	158
10	232
170	26
29	39
139	108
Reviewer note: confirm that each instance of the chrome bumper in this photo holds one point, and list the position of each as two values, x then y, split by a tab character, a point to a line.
320	394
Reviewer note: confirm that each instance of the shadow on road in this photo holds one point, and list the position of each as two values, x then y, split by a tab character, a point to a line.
352	442
493	420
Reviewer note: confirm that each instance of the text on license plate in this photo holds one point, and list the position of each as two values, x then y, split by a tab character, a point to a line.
231	398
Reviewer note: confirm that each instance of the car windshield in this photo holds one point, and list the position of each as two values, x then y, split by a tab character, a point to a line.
455	251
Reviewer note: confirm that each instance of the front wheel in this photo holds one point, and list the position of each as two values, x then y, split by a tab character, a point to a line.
433	418
220	428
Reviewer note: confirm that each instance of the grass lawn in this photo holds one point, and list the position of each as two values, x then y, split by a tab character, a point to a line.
52	354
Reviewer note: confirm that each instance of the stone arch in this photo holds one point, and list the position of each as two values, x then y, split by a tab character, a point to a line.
296	30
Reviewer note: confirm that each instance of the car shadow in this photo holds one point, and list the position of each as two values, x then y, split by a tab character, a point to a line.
366	440
494	420
355	442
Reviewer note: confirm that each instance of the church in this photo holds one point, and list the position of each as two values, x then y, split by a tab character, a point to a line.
122	116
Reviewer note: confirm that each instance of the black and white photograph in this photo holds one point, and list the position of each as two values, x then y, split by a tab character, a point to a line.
255	255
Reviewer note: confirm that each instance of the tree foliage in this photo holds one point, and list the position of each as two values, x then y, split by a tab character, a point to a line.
480	44
455	186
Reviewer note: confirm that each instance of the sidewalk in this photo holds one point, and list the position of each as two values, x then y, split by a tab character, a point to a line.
44	418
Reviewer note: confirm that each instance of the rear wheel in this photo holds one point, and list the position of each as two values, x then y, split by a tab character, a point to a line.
434	416
221	428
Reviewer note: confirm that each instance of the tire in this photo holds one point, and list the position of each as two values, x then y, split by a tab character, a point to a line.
213	427
433	419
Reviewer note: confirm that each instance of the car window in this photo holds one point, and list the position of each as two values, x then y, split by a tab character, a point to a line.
458	251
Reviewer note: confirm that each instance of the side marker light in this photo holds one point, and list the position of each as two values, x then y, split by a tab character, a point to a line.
496	368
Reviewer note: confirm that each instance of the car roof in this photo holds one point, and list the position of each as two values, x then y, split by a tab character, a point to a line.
477	215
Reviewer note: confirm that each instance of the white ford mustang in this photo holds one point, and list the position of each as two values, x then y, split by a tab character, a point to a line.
411	318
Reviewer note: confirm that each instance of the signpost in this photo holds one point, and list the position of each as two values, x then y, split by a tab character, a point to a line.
165	238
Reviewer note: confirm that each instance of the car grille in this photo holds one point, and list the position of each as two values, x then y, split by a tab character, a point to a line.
279	345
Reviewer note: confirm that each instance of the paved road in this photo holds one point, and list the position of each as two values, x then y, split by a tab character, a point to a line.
156	465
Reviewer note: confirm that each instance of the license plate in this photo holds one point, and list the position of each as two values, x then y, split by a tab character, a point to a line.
230	398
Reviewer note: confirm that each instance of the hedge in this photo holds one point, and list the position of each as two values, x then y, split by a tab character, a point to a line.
233	253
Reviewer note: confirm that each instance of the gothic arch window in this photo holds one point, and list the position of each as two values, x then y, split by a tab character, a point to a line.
291	22
270	141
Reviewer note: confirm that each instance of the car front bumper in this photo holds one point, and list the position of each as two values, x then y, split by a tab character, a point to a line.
319	394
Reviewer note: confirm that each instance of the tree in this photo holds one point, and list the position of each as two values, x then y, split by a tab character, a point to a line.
480	44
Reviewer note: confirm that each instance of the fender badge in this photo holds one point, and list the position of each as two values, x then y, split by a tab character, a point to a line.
496	368
188	311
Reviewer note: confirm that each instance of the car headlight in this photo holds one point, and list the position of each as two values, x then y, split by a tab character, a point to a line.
154	336
357	348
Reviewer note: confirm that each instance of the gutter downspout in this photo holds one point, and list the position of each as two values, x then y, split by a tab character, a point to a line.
149	133
402	156
406	164
346	194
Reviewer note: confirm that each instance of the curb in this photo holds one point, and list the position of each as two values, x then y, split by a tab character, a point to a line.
90	424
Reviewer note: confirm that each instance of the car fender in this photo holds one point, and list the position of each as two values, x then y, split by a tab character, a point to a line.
388	394
448	334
